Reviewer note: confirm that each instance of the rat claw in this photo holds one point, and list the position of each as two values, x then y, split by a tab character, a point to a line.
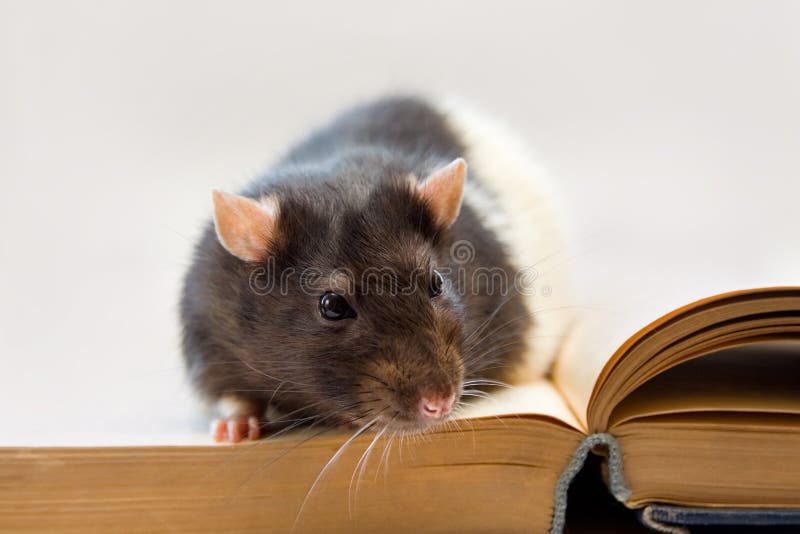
253	428
235	429
219	430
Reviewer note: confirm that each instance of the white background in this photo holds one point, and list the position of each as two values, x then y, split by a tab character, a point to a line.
672	129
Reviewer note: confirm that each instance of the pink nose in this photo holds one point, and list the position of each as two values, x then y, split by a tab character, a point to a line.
431	407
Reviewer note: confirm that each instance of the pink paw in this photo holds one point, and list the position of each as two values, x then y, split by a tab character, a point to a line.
235	429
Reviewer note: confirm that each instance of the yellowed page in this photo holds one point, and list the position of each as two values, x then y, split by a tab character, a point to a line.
761	377
537	398
579	364
489	476
712	459
624	288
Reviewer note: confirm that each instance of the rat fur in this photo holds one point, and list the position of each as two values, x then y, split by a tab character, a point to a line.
346	210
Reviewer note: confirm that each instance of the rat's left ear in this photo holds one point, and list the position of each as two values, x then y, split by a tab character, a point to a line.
442	192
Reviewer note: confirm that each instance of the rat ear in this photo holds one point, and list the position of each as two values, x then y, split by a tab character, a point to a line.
443	190
245	227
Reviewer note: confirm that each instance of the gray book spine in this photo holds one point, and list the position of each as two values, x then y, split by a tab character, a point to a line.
604	444
676	519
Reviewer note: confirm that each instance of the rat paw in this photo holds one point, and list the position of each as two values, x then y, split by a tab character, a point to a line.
235	429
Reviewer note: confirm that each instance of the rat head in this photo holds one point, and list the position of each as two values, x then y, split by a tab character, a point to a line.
346	295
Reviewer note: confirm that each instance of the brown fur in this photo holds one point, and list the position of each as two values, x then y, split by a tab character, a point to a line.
346	212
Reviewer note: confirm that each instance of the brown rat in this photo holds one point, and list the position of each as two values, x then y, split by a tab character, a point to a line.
363	279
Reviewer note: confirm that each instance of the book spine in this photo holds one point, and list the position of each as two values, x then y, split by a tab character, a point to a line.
651	521
673	519
605	445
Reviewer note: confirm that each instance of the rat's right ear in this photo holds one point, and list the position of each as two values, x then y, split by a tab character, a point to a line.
245	227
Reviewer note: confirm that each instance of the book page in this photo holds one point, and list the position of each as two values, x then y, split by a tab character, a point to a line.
712	459
537	398
622	287
579	364
761	377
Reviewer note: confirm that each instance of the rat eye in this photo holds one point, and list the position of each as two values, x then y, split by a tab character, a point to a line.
437	284
334	307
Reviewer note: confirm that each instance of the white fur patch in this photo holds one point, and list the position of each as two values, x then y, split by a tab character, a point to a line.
235	406
515	198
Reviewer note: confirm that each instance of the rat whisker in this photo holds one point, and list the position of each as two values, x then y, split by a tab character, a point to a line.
275	459
472	394
474	391
500	419
488	320
298	410
272	397
299	422
319	419
493	350
480	395
387	450
474	343
327	466
472	432
491	367
360	468
487	382
262	373
380	381
247	447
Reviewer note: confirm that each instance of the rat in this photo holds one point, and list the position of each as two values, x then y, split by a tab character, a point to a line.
373	275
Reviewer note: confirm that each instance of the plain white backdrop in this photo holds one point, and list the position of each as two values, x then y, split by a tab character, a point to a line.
672	129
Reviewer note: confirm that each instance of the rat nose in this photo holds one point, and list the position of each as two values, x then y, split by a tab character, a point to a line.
435	407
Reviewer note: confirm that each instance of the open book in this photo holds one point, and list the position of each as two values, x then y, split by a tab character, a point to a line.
695	414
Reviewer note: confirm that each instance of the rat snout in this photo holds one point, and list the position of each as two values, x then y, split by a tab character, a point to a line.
421	379
436	406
